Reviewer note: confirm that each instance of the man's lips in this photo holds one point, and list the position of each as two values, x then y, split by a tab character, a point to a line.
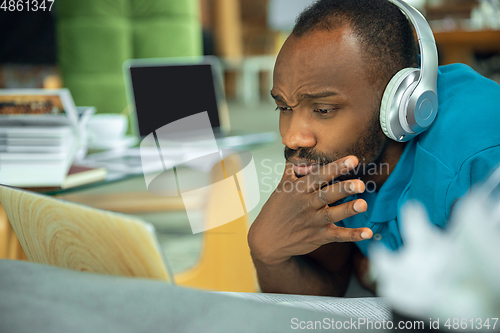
303	170
303	167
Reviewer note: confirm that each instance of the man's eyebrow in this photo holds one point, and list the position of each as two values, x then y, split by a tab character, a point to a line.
277	97
326	93
322	94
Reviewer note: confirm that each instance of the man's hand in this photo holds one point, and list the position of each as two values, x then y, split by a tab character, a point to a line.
296	219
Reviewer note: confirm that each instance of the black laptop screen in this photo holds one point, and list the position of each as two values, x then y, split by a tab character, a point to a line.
164	94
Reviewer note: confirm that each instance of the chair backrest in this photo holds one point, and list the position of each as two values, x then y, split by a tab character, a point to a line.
77	237
225	263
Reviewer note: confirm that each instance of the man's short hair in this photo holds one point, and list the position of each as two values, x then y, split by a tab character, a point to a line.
385	34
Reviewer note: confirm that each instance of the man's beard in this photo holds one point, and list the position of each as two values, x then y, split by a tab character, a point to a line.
367	149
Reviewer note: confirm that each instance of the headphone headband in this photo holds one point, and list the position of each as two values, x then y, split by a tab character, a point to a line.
409	104
426	43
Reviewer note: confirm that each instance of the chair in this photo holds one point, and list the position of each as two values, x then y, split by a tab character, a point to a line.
225	264
68	235
4	233
10	248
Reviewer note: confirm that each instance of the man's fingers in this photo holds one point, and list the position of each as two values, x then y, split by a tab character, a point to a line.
288	173
345	210
336	234
326	173
332	193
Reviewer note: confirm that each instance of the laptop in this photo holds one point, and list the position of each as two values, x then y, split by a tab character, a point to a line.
163	90
73	236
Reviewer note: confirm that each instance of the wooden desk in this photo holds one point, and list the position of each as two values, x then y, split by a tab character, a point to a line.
460	46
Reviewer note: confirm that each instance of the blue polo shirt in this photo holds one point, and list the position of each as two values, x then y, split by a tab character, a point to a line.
461	148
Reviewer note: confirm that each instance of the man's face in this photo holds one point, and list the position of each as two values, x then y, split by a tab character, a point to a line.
328	108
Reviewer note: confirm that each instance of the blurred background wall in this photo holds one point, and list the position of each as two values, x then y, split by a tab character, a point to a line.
82	44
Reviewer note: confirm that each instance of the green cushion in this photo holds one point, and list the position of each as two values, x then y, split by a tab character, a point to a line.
172	8
159	37
105	91
95	37
98	45
93	8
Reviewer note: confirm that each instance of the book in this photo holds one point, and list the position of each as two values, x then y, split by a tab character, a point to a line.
37	153
37	172
373	308
54	132
39	136
77	176
38	106
81	175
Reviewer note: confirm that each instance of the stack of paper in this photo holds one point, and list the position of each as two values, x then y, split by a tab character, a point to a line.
38	137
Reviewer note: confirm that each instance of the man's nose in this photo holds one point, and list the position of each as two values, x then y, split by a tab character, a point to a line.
298	134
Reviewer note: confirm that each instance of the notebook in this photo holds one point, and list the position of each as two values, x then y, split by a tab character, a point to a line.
68	235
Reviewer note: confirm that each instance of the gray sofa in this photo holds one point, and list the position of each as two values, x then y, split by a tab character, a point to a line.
43	299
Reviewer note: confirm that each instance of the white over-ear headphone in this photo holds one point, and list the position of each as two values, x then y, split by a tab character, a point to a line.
410	104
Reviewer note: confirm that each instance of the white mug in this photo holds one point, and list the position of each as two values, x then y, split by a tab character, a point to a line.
103	128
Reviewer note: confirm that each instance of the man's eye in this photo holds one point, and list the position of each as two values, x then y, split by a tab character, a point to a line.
283	108
324	111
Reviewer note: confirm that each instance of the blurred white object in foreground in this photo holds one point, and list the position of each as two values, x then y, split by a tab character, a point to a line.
446	274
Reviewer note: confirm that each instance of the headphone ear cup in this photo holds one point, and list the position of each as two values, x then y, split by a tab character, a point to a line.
386	112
